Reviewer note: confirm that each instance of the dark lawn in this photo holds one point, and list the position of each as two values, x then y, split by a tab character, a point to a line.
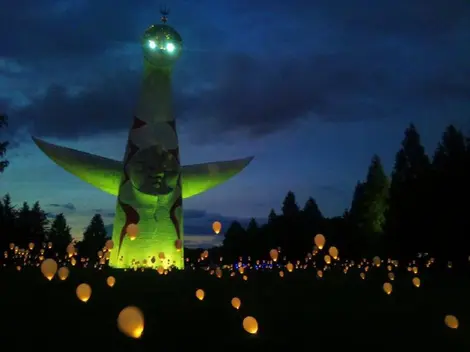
295	313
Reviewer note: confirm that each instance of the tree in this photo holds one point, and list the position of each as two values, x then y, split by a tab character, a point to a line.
289	206
7	221
410	194
39	223
234	239
94	238
23	226
252	227
451	191
3	145
59	234
272	216
369	206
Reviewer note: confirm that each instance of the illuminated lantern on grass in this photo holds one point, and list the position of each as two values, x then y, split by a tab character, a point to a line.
250	325
319	241
132	231
274	254
451	321
236	303
49	268
218	272
217	226
131	322
70	250
387	288
111	281
178	245
109	245
200	294
333	251
63	273
83	292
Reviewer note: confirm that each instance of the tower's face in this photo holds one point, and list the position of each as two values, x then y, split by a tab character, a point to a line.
162	45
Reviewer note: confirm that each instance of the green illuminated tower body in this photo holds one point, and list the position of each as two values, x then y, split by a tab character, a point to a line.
150	183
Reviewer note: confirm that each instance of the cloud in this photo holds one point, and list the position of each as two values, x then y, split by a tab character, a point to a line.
68	206
334	61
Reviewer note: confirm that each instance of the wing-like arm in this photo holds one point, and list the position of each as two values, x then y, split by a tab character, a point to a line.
105	174
199	178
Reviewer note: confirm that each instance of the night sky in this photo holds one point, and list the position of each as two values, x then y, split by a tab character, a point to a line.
311	88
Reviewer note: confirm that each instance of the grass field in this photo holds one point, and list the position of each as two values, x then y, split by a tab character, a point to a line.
297	312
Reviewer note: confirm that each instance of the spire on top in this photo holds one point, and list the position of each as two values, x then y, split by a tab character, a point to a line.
165	11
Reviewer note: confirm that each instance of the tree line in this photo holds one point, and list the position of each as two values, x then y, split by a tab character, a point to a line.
31	225
422	207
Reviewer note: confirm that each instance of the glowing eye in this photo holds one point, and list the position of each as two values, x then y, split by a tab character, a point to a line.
152	44
170	47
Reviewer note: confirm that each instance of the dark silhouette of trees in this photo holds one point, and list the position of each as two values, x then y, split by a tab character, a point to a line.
368	208
289	206
422	208
94	238
3	145
59	234
408	209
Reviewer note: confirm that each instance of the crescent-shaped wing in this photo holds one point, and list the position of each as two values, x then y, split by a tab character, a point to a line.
105	174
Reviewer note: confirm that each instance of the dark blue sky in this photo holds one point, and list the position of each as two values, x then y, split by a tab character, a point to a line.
311	88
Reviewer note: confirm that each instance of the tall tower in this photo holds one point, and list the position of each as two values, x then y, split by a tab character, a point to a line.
148	226
150	183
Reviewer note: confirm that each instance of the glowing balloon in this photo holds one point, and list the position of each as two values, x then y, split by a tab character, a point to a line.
333	251
70	250
178	245
217	226
83	292
200	294
109	244
49	268
416	281
319	241
236	303
327	259
387	288
111	281
132	231
290	267
31	246
451	321
376	261
274	254
131	322
63	273
250	325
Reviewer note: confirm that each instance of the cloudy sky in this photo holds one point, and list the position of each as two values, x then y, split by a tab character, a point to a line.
311	88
